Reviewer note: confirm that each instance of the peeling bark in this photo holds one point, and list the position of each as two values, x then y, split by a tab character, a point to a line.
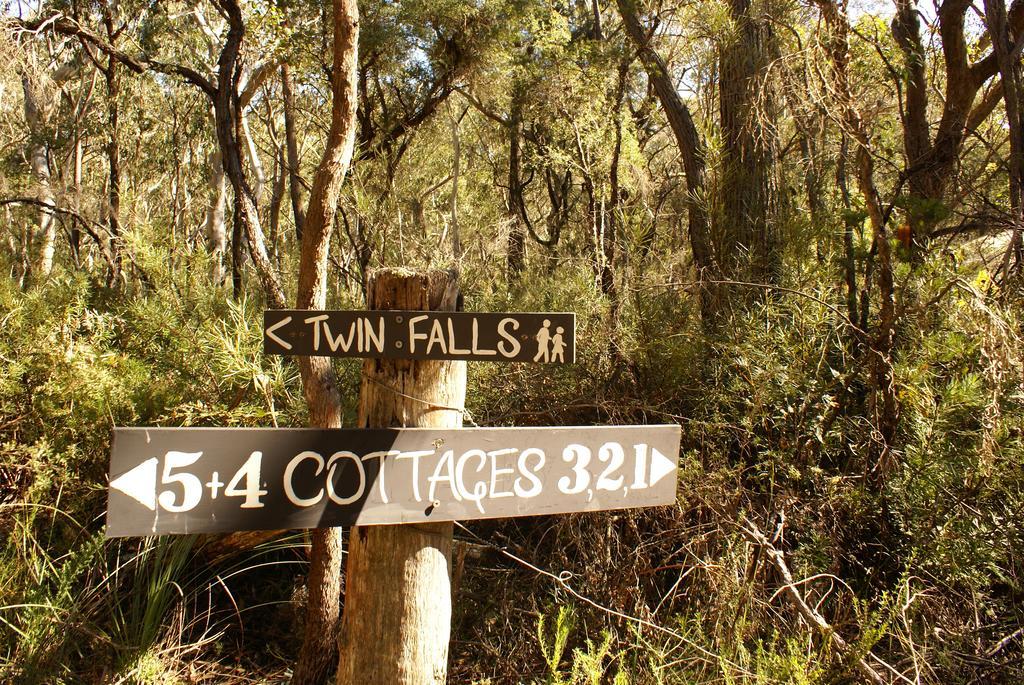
228	105
1009	70
932	158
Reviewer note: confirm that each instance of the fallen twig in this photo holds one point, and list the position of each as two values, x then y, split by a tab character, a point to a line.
810	614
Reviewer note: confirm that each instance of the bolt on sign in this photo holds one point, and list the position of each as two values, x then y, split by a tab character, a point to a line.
208	480
546	337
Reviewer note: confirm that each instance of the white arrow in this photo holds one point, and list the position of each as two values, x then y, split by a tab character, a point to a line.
661	466
139	483
270	332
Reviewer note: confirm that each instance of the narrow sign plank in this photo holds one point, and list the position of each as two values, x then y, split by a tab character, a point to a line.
207	480
545	337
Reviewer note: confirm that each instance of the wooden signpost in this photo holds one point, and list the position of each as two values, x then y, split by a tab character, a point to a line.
428	473
473	336
210	480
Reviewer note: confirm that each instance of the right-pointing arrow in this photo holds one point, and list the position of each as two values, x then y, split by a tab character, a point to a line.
270	333
139	483
661	466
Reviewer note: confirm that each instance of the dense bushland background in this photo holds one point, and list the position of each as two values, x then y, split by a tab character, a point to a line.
819	279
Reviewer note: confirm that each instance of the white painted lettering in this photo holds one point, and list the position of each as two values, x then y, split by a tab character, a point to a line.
374	337
437	335
250	472
381	457
289	472
452	349
446	463
613	453
480	489
482	351
530	474
511	349
413	335
331	492
316	329
340	341
580	455
280	341
496	472
640	469
415	456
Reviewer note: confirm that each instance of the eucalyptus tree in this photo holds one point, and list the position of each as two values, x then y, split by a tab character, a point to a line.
40	87
692	149
226	92
749	196
934	133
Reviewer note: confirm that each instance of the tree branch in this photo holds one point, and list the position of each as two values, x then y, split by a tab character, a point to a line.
257	77
139	63
88	224
438	94
809	613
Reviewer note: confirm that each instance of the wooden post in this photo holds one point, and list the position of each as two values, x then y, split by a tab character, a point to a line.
397	613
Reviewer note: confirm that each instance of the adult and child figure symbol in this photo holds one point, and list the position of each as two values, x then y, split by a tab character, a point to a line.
550	348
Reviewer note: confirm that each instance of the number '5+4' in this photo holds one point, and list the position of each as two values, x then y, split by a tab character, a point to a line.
192	487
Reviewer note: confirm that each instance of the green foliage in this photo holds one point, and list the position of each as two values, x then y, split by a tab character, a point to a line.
588	665
553	646
909	547
75	363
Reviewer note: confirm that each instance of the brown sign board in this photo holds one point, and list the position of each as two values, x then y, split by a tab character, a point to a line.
478	336
209	480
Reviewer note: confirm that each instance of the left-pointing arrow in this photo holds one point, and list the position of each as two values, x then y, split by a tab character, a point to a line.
270	332
139	483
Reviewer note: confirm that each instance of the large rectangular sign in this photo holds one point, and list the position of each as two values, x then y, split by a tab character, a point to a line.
478	336
207	480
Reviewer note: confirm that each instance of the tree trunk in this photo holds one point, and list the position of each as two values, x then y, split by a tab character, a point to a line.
294	185
691	148
884	403
610	233
849	254
318	656
813	187
39	163
113	81
750	243
75	237
114	160
253	155
237	255
227	108
917	145
216	230
453	203
397	619
931	158
1009	70
516	231
274	210
46	235
114	166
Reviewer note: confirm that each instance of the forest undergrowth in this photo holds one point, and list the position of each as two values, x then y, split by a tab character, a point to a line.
783	516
